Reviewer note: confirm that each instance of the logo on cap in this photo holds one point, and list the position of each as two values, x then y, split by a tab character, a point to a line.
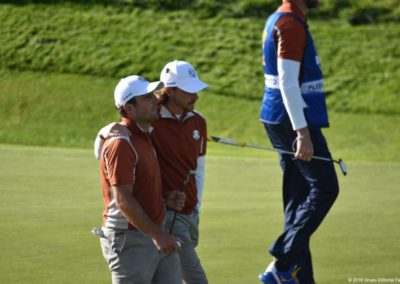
127	95
192	73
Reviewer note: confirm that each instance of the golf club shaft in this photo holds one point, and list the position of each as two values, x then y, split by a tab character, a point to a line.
244	144
228	141
173	223
181	190
287	152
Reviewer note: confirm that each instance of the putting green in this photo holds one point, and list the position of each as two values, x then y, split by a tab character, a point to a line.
51	199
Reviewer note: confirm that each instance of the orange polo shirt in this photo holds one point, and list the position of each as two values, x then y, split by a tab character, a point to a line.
179	142
131	162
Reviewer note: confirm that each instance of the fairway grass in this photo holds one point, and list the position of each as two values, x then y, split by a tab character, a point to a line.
51	199
66	110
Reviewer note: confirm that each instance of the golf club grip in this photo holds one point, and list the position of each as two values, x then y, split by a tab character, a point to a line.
182	189
324	159
173	223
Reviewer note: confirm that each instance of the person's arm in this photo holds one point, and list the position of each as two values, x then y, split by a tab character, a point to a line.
201	164
291	41
98	145
288	72
135	215
120	158
304	145
112	129
200	173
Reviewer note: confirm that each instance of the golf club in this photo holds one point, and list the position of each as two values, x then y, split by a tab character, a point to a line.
244	144
181	190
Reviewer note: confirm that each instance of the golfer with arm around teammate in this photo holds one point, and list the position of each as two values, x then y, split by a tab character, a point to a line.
134	243
180	139
293	111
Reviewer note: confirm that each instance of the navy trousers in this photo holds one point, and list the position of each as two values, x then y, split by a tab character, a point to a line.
309	191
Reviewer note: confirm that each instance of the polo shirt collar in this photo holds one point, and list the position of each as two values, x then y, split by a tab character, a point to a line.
165	113
135	128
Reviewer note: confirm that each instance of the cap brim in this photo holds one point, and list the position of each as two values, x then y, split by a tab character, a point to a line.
154	86
193	86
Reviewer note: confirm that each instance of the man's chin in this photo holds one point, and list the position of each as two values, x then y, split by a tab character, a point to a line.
153	118
189	108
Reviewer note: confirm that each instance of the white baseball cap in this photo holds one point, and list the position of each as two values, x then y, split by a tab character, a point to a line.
181	74
133	86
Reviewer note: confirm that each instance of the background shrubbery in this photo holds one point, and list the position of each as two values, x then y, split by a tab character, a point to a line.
67	57
360	63
59	64
355	11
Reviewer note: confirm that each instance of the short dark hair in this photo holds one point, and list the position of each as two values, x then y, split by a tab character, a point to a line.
121	110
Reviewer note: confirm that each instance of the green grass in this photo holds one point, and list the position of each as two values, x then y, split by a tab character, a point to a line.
58	68
68	110
361	63
356	12
52	198
44	105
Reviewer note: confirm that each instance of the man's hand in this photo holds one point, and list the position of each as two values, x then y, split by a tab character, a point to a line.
114	129
304	145
111	130
175	200
166	243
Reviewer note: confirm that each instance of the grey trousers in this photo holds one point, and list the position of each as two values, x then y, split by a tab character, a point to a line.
133	258
186	227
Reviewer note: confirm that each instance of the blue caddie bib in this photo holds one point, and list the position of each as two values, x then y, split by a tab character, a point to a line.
311	81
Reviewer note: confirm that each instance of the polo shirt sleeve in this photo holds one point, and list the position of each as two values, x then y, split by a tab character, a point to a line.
120	161
290	38
203	147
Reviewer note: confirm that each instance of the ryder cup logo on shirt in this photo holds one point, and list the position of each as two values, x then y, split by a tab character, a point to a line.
196	134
